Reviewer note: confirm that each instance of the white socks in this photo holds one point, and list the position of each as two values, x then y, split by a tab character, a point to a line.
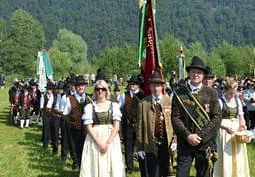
27	123
22	123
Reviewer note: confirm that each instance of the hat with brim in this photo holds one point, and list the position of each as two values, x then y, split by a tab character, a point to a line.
72	80
33	84
100	76
50	86
197	63
155	79
80	81
209	73
134	79
60	85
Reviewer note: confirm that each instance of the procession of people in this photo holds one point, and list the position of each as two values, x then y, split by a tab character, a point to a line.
201	116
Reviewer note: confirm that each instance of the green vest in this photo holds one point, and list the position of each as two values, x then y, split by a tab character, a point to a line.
102	118
227	112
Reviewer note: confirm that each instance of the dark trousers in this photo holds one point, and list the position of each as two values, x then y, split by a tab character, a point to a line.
54	127
157	164
185	157
35	110
64	139
129	135
50	131
46	131
142	167
252	119
76	146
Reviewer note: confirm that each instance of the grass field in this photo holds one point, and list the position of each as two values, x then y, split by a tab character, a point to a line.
22	155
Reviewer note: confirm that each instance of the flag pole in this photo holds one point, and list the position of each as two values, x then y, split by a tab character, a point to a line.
142	32
181	64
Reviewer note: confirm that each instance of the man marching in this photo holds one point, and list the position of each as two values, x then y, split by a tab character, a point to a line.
60	105
14	94
35	101
128	104
196	118
154	128
50	121
24	103
72	114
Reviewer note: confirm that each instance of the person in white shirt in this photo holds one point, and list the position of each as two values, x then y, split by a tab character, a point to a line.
47	105
60	105
128	105
233	159
102	156
73	111
249	99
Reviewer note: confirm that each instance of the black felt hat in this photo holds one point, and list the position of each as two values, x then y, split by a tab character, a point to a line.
33	82
100	75
80	81
134	79
209	73
197	63
60	85
155	79
50	86
116	88
72	79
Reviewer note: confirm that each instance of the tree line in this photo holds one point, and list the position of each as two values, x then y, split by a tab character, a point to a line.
25	36
113	23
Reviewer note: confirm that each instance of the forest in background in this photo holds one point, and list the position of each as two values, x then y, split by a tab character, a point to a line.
104	34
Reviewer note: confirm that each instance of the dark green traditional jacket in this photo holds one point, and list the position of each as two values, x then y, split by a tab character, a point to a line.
183	125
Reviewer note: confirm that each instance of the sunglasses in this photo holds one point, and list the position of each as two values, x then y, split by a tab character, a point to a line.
102	89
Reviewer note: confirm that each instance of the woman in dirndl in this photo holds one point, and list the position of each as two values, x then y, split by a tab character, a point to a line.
233	159
102	156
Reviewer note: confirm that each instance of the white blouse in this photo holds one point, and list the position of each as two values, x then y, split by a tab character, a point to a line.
88	112
232	104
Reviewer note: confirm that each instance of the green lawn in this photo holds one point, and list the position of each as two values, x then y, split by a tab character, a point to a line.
22	155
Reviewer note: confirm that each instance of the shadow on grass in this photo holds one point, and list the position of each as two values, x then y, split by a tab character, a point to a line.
4	116
42	160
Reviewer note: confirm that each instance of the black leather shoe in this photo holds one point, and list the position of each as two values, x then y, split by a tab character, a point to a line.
75	166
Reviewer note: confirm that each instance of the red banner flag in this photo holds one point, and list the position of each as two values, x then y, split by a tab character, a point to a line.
149	59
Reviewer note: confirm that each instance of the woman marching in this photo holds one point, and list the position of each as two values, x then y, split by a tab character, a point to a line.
233	159
101	156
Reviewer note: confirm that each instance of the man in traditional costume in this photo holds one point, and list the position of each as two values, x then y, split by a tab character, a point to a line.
73	115
196	118
154	129
128	104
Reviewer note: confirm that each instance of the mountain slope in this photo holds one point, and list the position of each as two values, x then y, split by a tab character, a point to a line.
112	23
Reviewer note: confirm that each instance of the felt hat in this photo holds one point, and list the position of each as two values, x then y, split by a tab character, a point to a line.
80	81
134	79
209	73
50	86
100	75
33	82
155	79
197	63
60	85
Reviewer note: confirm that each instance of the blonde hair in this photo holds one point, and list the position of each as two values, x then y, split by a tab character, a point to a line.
104	85
230	83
